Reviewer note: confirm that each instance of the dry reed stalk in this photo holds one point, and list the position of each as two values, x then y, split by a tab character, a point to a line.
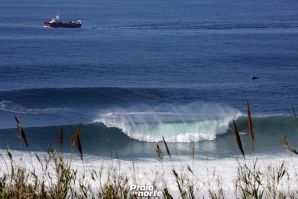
179	183
294	114
159	152
78	129
56	132
251	133
80	147
21	131
61	139
168	151
238	140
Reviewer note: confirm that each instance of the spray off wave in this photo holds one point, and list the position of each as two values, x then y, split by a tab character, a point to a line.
191	123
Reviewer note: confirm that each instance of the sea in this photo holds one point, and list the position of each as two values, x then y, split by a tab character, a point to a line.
140	71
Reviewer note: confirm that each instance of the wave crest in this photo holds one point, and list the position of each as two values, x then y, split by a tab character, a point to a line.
9	106
182	124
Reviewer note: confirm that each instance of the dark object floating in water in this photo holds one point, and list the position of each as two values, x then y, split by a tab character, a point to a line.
55	23
253	77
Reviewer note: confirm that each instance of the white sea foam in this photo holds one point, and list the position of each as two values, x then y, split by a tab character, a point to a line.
147	170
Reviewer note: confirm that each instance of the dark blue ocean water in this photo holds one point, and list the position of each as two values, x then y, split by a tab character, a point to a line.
140	70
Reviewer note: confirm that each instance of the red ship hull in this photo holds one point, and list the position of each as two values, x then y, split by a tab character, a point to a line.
62	25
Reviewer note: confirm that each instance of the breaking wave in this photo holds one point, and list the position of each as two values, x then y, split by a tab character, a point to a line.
182	124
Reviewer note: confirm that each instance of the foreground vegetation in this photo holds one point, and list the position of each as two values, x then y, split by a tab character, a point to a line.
58	178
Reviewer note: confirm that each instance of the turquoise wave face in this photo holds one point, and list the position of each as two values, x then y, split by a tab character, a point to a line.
219	143
269	125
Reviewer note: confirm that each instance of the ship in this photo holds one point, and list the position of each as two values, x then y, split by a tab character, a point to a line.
55	23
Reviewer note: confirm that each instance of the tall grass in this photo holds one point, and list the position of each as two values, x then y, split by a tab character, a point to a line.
60	179
255	180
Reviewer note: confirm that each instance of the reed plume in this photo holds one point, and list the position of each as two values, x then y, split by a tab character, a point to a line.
159	152
75	140
78	141
21	131
238	140
168	151
75	136
288	146
251	133
78	129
